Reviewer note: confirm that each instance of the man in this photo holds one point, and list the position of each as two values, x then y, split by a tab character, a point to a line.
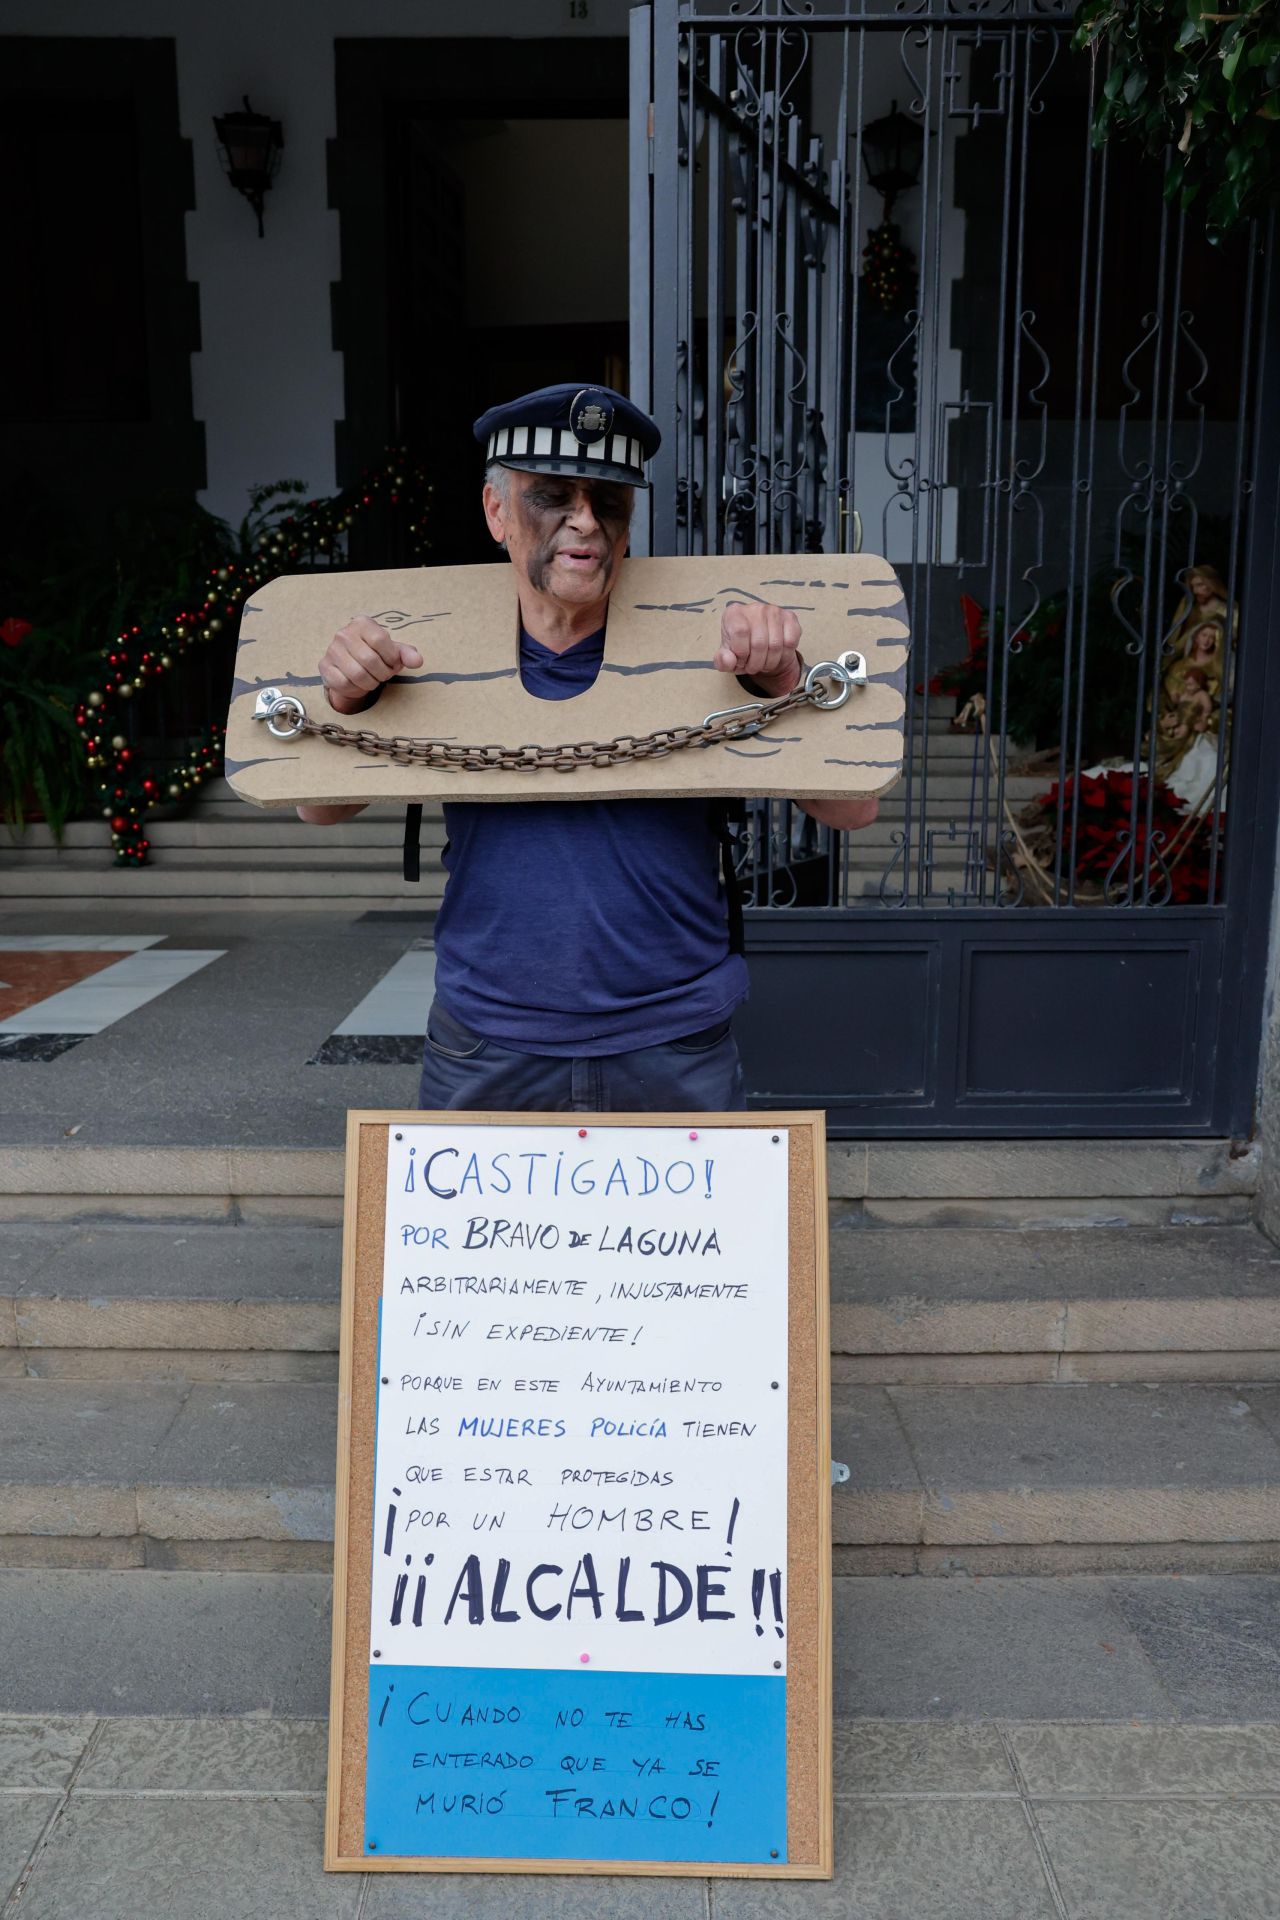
583	960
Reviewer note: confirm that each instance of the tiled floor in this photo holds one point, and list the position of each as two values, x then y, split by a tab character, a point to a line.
29	976
978	1821
59	988
220	1056
388	1024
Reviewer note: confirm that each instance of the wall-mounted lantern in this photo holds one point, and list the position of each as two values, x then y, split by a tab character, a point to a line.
250	145
892	152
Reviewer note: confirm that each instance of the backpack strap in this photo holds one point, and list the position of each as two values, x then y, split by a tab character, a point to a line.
412	833
724	815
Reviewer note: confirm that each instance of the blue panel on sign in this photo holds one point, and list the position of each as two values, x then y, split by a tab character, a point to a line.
519	1764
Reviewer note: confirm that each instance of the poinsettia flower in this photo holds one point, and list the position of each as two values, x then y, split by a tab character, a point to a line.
13	631
972	615
1113	834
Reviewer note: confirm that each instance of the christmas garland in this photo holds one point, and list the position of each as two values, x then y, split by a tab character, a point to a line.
888	269
127	790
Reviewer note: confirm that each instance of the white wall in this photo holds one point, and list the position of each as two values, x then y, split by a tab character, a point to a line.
267	383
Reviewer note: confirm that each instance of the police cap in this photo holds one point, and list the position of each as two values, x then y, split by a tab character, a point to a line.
587	430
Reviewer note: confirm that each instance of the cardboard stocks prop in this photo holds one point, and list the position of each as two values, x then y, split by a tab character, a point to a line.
583	1535
664	626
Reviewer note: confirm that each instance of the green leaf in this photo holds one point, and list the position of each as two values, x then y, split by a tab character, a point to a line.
1231	60
1191	30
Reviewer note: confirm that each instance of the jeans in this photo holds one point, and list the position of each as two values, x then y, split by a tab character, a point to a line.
699	1073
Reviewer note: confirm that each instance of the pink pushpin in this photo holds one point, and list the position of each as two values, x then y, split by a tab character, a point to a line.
585	1658
694	1134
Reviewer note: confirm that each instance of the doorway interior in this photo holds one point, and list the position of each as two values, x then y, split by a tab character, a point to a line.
484	246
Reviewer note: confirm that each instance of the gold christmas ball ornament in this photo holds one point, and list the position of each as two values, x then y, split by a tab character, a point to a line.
175	791
206	633
118	740
165	661
125	691
95	700
215	626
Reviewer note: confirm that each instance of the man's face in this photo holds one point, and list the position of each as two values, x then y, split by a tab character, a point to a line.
565	535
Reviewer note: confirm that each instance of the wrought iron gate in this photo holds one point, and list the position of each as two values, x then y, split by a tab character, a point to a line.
1027	380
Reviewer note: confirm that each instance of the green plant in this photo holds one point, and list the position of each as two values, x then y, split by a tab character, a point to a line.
71	587
102	610
1200	81
40	761
1042	683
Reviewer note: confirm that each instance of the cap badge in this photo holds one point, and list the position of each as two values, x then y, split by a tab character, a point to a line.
590	419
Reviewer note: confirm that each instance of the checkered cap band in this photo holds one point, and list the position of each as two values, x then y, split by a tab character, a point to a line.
558	443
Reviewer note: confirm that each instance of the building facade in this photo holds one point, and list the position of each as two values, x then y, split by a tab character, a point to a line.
880	291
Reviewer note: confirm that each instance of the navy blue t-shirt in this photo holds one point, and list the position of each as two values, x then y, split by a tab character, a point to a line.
583	927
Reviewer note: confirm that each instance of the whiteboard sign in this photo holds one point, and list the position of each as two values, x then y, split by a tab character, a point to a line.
578	1602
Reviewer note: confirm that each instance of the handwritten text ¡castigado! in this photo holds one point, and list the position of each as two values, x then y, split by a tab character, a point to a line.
448	1175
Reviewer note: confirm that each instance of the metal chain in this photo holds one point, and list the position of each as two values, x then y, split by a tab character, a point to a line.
827	685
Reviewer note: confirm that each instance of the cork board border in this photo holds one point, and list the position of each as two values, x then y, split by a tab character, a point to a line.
809	1759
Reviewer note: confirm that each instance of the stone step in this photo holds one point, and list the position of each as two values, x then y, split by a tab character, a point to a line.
983	1478
197	838
969	1669
941	782
163	1643
213	882
930	1304
209	843
122	1301
240	855
232	826
243	849
126	1301
1039	1478
969	1183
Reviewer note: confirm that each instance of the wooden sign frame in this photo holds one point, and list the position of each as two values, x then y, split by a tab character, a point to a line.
808	1708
